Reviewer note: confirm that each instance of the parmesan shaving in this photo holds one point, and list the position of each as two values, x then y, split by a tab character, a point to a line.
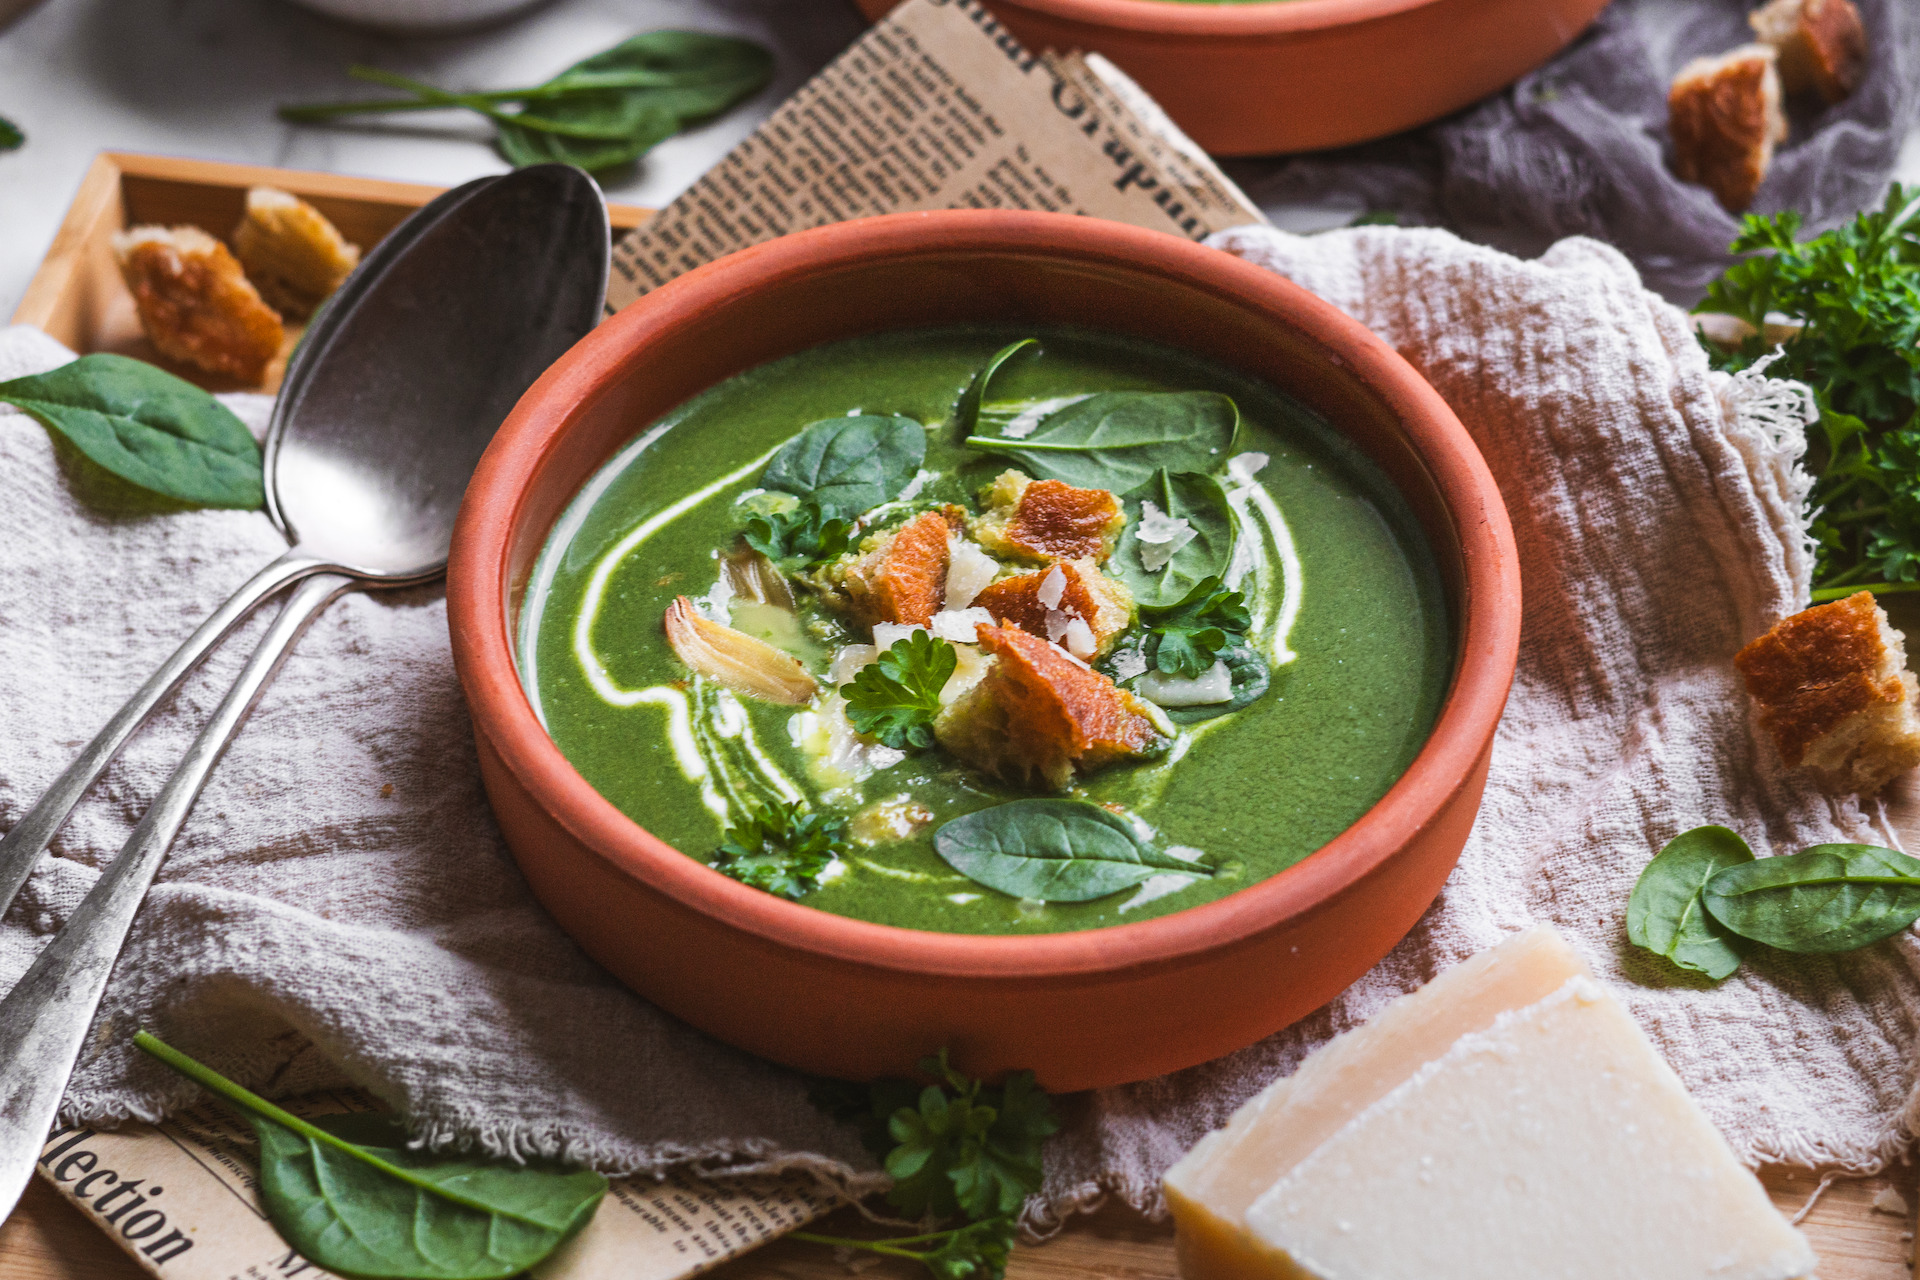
969	570
1160	536
1057	622
1080	641
959	625
1052	588
888	634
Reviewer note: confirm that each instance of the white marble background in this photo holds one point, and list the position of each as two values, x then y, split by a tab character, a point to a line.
202	77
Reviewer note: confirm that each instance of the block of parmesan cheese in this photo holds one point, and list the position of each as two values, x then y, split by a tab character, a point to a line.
1556	1142
1211	1187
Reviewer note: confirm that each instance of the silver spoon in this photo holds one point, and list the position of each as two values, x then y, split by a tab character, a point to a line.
22	846
367	459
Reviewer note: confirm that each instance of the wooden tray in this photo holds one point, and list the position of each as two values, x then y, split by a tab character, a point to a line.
77	294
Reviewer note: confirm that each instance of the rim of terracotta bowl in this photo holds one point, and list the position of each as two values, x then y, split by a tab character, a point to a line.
1485	604
1253	18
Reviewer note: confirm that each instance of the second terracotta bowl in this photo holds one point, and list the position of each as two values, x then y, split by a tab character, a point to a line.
847	998
1301	75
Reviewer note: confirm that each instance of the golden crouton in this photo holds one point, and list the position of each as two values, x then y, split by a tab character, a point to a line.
900	576
1103	603
293	255
1047	520
1822	44
196	304
1724	115
1833	689
1038	715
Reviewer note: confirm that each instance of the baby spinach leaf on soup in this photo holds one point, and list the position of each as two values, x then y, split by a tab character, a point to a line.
1202	503
966	414
1116	440
849	465
1831	897
1053	851
146	426
1665	914
1251	679
350	1197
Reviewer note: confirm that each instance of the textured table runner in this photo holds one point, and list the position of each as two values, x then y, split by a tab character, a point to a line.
340	906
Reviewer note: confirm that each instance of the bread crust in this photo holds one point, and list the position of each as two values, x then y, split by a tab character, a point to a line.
196	304
1103	603
1724	115
1048	520
1832	689
292	254
1822	44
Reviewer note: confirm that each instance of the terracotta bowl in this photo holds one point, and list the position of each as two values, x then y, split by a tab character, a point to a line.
847	998
1299	75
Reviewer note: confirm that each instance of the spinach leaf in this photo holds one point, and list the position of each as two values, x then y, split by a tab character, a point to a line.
1665	914
800	538
1186	638
1251	678
1202	503
896	697
11	139
781	849
966	414
606	110
849	465
1831	897
1116	440
148	427
1053	850
350	1197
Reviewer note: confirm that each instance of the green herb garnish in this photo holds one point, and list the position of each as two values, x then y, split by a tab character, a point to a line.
11	138
1116	440
1705	889
1188	638
781	848
351	1197
1053	850
1856	292
151	429
799	538
896	697
977	1251
608	110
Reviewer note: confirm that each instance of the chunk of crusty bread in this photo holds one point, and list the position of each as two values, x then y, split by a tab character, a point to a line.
1822	44
1833	689
1724	115
1047	520
1081	591
195	302
292	254
899	576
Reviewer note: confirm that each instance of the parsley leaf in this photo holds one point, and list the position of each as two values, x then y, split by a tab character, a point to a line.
896	697
800	538
781	849
954	1146
1856	292
1186	639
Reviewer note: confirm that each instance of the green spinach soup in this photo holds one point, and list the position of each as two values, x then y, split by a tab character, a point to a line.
989	631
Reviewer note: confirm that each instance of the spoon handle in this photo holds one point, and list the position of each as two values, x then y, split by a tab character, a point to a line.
20	850
44	1019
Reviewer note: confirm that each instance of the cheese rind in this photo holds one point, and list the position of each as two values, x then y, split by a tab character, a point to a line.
1555	1143
1210	1189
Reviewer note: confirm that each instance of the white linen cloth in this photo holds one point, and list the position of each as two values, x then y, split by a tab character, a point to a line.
340	907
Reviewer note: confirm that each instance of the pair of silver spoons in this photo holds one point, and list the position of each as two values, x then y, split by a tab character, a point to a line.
387	405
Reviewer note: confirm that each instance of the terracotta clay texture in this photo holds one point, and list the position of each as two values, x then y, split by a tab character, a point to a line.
1299	75
848	998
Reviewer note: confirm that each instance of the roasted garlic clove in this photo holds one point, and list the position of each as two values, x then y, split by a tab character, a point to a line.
737	660
751	576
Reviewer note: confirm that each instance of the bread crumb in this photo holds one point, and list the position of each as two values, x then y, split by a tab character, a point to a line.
1832	687
292	254
196	304
1822	44
1724	115
1887	1200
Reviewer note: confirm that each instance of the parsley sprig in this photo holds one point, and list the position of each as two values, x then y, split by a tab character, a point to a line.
896	697
800	538
782	848
956	1146
1856	292
1186	639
